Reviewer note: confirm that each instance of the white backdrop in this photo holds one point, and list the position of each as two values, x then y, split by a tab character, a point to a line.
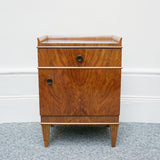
138	22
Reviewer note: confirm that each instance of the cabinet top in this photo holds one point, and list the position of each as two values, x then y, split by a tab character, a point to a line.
79	42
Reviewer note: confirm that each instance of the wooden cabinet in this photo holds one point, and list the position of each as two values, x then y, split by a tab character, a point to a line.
79	82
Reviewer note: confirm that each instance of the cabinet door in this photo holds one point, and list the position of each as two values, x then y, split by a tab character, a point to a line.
80	91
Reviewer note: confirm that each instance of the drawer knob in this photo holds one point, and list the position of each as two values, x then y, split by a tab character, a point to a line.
79	58
49	81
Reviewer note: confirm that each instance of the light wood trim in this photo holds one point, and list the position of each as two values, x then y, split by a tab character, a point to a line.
55	37
41	39
112	47
79	67
117	39
52	123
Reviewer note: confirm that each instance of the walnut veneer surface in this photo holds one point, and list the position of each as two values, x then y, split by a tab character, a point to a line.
79	81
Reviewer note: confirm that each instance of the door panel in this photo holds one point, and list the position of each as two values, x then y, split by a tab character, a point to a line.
80	91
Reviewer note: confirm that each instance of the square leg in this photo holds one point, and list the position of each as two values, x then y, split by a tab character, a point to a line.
114	131
45	131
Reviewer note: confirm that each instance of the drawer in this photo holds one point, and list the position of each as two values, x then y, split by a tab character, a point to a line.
79	57
79	91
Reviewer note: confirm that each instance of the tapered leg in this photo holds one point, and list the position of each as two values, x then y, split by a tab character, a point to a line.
45	131
114	131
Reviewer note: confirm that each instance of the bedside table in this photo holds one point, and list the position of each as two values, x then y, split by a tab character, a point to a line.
79	82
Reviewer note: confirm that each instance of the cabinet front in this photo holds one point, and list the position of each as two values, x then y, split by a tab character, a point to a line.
79	57
79	91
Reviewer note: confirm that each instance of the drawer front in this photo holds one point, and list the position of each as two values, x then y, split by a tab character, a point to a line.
79	91
79	57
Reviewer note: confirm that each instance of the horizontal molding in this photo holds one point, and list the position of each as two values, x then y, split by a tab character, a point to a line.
80	67
140	98
54	123
34	71
123	97
17	97
83	47
18	71
141	71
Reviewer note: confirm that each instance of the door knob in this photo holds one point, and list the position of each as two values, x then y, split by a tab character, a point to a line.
79	58
49	81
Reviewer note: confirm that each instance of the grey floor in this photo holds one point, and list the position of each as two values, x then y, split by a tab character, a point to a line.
23	141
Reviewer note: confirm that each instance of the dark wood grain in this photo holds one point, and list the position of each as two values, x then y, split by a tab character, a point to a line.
67	57
80	92
81	95
80	119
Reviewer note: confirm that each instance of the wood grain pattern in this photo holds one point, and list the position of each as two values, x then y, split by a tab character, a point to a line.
114	132
80	119
80	92
67	57
77	123
45	131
